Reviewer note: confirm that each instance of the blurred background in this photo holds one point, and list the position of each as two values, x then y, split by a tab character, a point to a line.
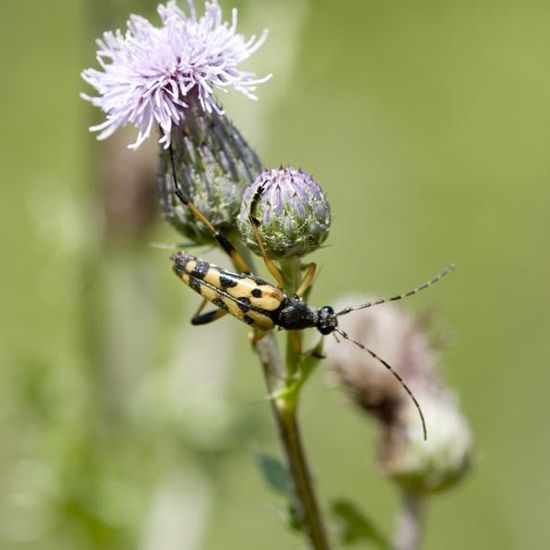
428	125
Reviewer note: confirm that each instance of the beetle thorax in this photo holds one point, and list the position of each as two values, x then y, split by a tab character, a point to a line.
296	315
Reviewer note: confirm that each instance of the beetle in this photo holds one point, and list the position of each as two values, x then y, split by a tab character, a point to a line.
260	304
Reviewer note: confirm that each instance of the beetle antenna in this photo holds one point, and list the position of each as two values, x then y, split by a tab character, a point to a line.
394	373
177	188
379	301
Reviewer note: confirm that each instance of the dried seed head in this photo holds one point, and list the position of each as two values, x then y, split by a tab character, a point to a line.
292	211
428	466
417	465
213	164
395	336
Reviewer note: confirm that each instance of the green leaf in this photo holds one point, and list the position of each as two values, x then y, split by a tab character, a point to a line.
274	473
278	479
293	518
354	526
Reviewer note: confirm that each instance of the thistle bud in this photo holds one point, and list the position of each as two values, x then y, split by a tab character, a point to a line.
418	466
213	164
292	211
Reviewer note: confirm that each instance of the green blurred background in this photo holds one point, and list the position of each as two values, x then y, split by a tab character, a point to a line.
427	123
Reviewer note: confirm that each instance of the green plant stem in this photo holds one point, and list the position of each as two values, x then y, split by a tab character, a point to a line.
285	413
410	522
279	377
292	275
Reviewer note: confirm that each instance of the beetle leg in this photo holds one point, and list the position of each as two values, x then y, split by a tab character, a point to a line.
203	303
256	334
256	229
208	317
307	279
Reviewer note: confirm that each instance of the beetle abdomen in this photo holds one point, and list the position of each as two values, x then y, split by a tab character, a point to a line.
246	297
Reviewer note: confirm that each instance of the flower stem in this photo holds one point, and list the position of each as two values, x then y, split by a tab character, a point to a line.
285	413
410	522
292	275
279	377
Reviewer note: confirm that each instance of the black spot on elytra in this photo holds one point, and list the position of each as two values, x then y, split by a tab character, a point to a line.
218	302
248	320
201	269
244	304
257	292
195	284
228	282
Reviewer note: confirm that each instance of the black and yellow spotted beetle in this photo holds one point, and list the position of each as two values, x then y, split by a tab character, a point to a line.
260	304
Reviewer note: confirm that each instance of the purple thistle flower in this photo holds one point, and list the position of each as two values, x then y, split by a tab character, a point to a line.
149	74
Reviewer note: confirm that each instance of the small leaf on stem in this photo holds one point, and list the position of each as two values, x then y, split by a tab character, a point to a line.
275	474
354	526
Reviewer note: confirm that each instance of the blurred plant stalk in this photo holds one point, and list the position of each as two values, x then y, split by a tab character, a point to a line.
120	277
120	325
117	316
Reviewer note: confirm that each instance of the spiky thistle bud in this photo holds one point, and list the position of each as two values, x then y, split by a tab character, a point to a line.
292	211
213	164
418	466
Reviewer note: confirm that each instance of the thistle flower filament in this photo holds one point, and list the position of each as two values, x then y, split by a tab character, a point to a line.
148	74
